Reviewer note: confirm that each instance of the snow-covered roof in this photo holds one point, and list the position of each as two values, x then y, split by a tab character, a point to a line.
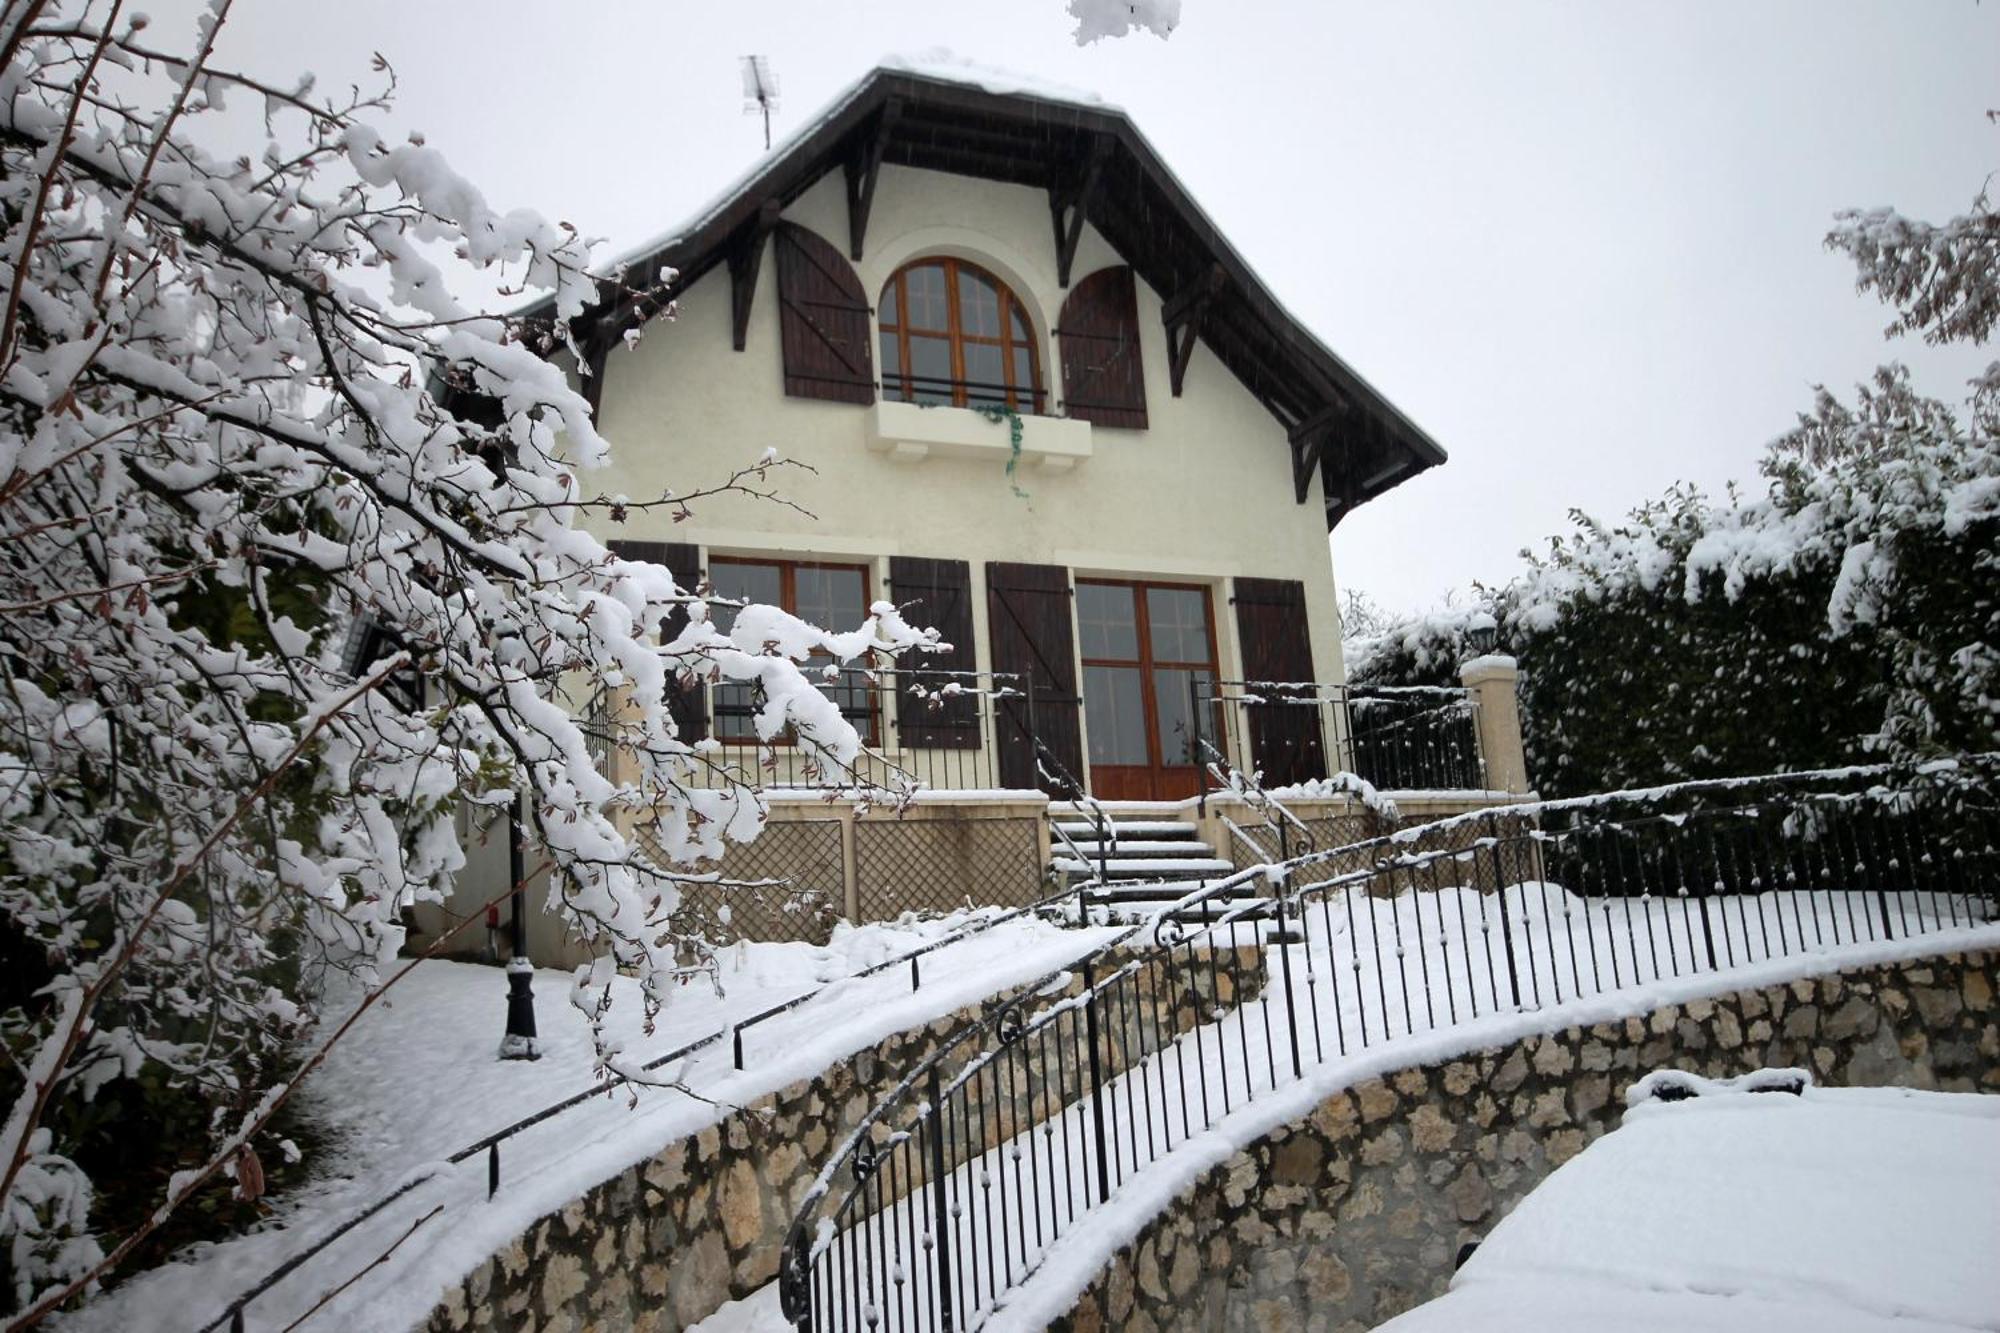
937	63
936	112
1857	1210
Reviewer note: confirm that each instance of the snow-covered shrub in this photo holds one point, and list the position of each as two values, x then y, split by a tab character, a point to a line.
1852	612
241	411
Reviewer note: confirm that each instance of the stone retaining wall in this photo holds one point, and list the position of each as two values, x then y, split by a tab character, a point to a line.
1355	1213
666	1242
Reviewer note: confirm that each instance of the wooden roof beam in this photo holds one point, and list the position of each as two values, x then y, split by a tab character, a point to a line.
863	165
746	256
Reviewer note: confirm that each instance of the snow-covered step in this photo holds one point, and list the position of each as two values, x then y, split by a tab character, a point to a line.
1128	911
1161	891
1135	828
1156	867
1137	847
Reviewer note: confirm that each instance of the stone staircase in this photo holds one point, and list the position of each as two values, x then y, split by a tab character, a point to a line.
1146	864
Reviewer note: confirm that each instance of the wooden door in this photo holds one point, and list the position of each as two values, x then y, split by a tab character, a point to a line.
1144	645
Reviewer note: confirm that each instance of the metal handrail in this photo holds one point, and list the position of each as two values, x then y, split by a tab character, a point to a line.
490	1143
1019	1102
1276	816
1059	774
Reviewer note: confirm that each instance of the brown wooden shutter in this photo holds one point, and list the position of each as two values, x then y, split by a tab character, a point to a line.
942	593
686	699
1028	623
1103	380
822	320
1271	627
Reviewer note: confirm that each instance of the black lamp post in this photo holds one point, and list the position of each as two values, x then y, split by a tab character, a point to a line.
520	1042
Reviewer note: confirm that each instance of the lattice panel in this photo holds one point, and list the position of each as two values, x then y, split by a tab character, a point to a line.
1244	852
804	856
1328	833
1334	831
939	865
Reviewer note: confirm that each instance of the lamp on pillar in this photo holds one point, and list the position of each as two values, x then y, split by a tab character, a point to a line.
1482	632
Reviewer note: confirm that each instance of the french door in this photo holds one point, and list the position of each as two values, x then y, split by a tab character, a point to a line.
1143	646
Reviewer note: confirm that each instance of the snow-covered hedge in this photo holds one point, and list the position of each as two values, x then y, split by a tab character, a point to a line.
1851	610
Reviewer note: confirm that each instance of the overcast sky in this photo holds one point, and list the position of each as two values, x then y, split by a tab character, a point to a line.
1580	243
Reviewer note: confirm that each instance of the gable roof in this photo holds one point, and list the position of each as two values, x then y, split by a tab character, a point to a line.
1087	154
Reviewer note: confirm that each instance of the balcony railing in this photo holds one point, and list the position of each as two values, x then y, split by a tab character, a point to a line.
932	730
1420	738
922	730
979	395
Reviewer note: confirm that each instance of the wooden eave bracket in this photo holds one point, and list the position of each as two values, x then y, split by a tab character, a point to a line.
1183	313
863	166
1311	439
1069	200
746	254
1342	490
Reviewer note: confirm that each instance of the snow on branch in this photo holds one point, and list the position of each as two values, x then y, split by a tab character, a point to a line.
244	409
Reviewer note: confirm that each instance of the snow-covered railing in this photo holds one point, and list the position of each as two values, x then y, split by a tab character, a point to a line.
921	729
959	1183
487	1148
1413	738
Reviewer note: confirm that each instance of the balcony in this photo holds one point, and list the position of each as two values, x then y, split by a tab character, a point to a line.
912	432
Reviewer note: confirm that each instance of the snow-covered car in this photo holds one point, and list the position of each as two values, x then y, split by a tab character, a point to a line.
1761	1203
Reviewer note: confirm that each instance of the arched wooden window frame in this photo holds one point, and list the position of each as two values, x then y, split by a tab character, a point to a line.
898	383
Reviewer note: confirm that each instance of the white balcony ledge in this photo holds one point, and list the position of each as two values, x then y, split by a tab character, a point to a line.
909	433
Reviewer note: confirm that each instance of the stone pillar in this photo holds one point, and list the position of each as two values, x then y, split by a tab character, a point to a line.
1492	681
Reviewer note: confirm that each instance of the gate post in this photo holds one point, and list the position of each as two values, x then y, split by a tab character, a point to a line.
1492	682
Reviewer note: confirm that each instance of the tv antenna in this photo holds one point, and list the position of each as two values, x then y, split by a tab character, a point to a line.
760	91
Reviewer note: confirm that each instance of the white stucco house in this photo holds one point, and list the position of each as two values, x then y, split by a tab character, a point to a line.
1049	409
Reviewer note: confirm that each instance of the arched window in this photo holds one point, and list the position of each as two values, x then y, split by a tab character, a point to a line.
952	333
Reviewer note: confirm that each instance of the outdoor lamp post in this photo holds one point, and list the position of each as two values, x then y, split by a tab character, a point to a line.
520	1043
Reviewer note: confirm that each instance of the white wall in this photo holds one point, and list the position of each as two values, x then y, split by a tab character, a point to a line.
1202	495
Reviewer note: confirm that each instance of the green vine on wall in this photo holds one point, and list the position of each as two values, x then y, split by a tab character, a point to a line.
996	415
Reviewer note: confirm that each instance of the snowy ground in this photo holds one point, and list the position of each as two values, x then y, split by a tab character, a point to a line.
1376	986
1862	1210
418	1079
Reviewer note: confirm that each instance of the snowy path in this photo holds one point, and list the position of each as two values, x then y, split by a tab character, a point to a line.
1377	984
418	1079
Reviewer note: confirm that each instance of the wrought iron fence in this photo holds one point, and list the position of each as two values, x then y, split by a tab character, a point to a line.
962	1180
1414	738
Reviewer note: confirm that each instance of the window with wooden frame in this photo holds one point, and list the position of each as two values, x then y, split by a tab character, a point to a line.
953	334
832	596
